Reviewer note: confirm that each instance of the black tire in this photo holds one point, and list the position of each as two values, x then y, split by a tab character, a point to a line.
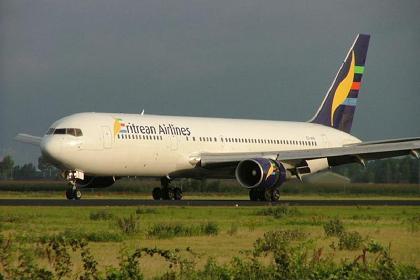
157	193
177	194
69	194
275	195
77	194
267	195
170	194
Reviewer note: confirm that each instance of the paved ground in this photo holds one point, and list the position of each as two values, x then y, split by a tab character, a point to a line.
144	202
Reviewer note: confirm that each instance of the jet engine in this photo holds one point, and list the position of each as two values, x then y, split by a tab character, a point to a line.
260	173
95	182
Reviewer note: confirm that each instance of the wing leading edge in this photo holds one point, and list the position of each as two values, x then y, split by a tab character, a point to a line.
361	152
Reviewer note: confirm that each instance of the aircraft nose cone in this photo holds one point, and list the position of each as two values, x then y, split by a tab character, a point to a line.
51	149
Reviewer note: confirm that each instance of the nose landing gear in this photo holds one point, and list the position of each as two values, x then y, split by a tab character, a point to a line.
73	192
165	192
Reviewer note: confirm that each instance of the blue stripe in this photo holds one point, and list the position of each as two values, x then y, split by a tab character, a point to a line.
350	102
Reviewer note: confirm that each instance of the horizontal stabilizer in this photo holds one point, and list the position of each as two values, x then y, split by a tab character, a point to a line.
28	139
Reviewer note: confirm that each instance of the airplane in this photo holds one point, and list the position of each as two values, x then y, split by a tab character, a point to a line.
93	150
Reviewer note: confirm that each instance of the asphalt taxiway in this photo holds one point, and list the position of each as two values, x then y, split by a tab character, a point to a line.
198	202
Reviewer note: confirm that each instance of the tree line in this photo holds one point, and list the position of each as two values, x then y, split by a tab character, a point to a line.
11	171
394	170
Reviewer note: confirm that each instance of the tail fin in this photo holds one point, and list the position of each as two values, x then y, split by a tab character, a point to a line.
337	109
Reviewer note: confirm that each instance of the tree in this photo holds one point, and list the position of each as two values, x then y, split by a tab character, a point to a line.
6	167
46	168
26	171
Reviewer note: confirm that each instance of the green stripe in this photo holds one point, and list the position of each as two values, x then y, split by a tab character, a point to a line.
359	69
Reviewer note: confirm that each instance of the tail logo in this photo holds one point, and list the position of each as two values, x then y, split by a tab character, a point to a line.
343	89
339	104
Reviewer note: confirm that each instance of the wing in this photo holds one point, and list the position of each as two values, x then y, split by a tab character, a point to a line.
29	139
360	152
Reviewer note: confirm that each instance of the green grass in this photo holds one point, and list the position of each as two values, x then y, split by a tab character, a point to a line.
171	230
237	229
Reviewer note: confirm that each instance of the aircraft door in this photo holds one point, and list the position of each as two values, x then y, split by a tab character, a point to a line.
222	142
107	137
325	141
173	142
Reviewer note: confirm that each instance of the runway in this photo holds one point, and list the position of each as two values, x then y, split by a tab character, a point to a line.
146	202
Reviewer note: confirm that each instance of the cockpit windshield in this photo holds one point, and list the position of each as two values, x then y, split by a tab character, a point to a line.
70	131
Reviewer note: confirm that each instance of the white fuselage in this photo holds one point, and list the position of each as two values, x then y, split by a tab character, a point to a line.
116	144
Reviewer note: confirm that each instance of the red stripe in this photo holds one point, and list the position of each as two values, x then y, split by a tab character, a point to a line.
355	86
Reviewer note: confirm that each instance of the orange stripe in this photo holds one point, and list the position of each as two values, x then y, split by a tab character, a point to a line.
355	86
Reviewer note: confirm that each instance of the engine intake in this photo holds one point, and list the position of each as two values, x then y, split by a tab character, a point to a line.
260	173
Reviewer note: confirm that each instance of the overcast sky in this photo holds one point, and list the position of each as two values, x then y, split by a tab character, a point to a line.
219	58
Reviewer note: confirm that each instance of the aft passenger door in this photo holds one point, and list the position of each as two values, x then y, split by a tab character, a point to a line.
173	142
107	137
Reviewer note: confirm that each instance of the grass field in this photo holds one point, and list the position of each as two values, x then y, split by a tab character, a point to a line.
233	230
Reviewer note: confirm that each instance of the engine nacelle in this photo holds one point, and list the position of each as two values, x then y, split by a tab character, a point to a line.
260	173
95	182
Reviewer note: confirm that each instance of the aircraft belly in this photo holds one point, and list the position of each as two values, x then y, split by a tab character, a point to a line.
133	162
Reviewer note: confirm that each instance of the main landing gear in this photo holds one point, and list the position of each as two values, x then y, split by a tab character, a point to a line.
165	192
260	194
73	192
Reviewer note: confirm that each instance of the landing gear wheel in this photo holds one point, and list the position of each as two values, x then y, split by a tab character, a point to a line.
275	195
77	194
267	195
177	193
157	193
261	194
69	194
169	194
73	193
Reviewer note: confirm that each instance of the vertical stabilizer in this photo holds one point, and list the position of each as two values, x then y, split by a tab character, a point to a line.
339	105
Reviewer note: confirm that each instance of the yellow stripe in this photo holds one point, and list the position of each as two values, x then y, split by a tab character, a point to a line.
343	89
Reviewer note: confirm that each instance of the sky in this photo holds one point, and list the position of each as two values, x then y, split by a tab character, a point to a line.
221	58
